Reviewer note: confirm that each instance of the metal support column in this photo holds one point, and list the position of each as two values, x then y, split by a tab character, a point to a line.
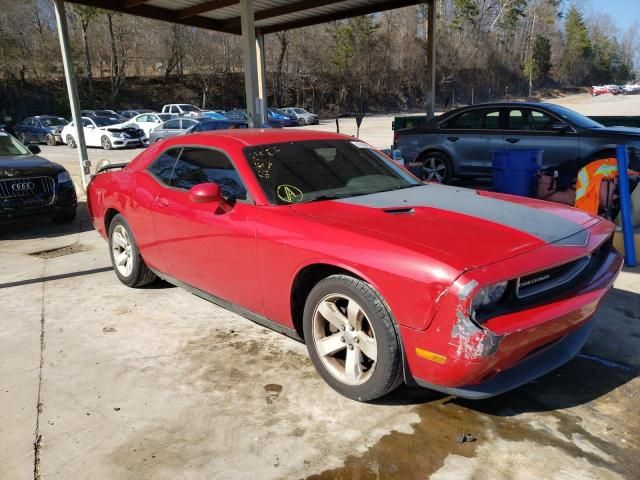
250	62
430	73
72	90
262	79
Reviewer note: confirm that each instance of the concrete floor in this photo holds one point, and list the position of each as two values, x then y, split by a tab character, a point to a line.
115	383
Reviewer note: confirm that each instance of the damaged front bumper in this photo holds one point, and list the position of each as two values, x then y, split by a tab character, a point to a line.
461	356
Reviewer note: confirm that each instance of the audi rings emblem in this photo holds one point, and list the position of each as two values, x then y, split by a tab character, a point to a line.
23	187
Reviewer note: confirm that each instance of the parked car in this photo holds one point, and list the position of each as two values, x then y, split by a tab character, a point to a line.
103	113
614	89
41	129
173	127
278	118
460	142
303	117
210	125
129	114
148	121
32	187
106	133
599	90
323	238
631	89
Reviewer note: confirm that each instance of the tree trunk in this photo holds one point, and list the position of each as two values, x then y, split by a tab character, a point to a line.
284	42
115	63
87	58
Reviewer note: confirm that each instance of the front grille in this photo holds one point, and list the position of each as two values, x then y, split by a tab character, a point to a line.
26	192
549	279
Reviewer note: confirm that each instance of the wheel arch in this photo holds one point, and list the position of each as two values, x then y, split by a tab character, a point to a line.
109	214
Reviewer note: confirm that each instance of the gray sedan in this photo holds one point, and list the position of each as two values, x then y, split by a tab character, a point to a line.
171	128
460	143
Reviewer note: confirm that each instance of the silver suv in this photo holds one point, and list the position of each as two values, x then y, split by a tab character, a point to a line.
304	117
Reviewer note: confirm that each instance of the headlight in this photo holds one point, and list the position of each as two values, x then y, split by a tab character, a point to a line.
489	295
64	177
116	135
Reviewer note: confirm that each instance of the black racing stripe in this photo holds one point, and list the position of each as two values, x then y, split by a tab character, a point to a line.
538	223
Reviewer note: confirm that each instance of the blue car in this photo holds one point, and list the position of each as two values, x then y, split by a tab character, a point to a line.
209	125
213	115
281	119
41	129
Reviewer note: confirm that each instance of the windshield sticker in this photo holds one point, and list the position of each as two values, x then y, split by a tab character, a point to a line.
361	145
289	193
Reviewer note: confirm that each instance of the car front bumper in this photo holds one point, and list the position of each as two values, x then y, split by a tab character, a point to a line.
64	202
459	356
129	142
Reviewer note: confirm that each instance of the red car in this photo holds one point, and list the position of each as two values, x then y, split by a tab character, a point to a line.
385	279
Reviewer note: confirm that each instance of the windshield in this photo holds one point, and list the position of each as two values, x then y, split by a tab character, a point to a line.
105	121
165	116
10	147
299	110
189	108
53	121
295	172
573	117
106	113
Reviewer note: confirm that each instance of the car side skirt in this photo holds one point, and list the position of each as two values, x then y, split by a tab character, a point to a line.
243	312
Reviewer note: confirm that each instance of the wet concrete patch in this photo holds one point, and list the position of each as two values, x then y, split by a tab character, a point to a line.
548	413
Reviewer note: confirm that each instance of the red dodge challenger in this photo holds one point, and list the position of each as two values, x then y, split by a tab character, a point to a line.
385	279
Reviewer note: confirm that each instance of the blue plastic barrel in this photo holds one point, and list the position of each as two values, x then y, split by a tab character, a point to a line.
514	171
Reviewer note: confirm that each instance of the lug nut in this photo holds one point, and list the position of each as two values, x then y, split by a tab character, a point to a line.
357	340
342	339
351	328
350	347
343	328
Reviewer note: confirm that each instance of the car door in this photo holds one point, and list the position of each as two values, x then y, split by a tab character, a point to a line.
186	123
203	245
92	134
531	128
471	136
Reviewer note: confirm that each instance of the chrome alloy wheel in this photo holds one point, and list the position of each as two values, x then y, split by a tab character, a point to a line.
122	250
344	339
434	169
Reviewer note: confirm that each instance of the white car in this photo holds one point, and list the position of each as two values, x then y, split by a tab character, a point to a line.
148	121
106	133
182	109
304	117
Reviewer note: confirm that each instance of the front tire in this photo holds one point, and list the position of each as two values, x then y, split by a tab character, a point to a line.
71	143
302	122
106	143
125	255
436	167
351	338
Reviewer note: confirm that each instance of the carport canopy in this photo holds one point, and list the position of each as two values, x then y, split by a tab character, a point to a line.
251	19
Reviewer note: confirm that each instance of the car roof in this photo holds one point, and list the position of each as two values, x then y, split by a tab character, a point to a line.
255	136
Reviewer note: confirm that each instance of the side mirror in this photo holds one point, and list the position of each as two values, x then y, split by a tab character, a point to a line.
560	127
35	149
205	193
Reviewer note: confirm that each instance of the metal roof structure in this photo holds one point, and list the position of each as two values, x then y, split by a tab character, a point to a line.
251	19
269	15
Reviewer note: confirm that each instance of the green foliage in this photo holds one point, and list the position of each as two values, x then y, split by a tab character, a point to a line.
464	12
539	63
578	50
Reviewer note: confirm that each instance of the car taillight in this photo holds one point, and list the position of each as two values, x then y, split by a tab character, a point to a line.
396	137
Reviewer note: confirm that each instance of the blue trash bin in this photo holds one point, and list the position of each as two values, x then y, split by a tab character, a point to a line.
514	171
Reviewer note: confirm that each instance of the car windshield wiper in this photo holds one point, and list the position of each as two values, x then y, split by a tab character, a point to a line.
334	196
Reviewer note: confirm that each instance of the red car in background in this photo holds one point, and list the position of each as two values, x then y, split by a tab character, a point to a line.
384	278
599	90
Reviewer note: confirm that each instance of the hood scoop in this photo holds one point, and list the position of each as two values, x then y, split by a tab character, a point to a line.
399	211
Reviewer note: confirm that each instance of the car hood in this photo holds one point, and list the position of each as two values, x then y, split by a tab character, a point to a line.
465	228
27	165
119	127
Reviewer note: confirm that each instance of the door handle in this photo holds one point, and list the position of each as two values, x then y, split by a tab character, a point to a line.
453	139
513	140
163	202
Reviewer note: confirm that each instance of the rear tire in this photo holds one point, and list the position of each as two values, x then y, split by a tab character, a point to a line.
125	255
71	143
351	338
51	140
